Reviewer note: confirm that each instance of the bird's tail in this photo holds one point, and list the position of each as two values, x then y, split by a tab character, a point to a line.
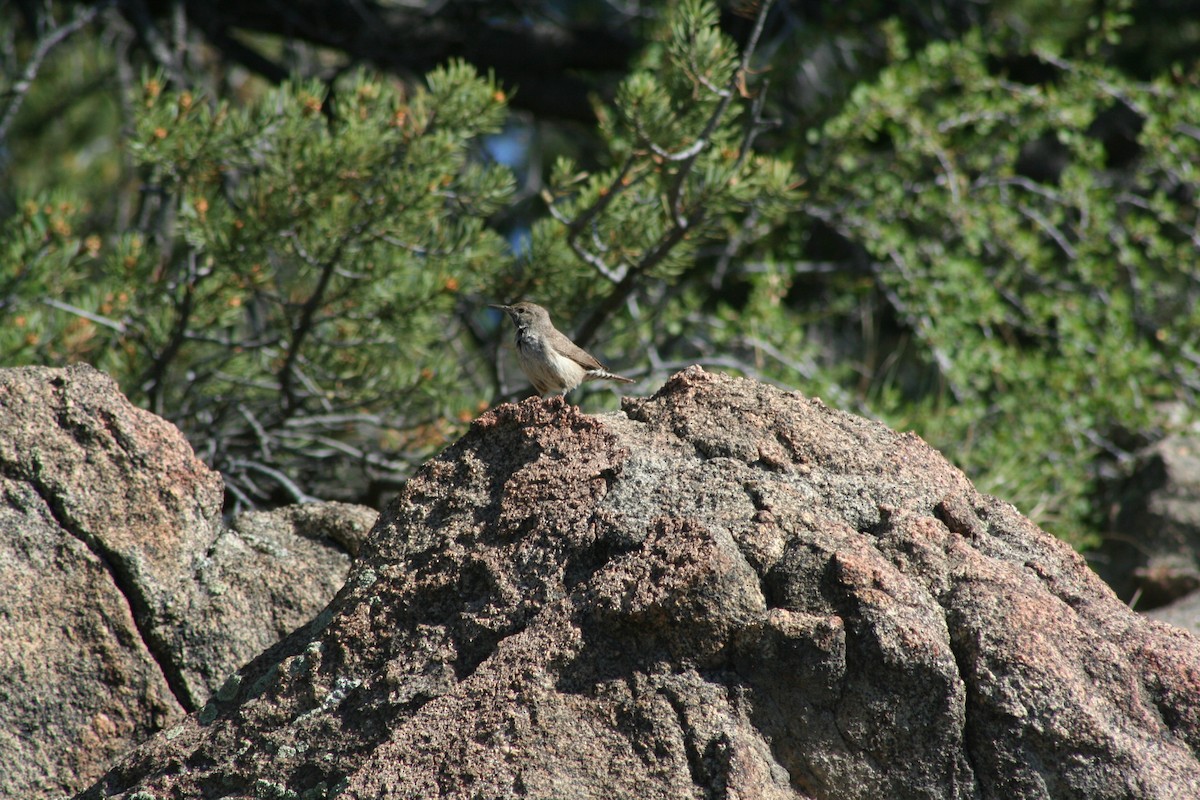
603	374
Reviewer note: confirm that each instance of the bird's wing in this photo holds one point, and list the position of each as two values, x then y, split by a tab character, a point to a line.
577	354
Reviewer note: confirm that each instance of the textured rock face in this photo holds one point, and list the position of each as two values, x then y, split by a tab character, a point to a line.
123	601
725	591
101	502
260	579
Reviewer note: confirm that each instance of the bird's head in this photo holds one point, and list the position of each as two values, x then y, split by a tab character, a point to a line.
525	315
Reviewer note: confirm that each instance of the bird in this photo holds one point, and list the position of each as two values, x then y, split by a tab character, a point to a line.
552	362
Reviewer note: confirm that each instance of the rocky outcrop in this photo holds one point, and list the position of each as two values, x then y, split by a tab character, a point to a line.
1152	555
724	591
1184	612
124	601
260	579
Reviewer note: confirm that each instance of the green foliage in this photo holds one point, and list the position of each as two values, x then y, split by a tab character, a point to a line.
679	138
68	132
289	293
1057	307
298	265
993	242
39	247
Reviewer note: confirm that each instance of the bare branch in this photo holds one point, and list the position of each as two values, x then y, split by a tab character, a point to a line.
151	380
286	483
581	223
718	114
119	327
15	96
166	56
1051	230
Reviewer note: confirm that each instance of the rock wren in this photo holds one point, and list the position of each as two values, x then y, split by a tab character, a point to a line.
551	361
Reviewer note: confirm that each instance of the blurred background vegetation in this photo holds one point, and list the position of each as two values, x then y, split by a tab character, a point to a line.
278	224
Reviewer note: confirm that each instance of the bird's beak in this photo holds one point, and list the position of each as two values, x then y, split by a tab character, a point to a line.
502	308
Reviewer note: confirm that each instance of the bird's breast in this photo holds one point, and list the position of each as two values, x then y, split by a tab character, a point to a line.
546	368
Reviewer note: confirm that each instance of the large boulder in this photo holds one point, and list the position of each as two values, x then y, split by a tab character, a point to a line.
724	591
1152	555
262	577
125	603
